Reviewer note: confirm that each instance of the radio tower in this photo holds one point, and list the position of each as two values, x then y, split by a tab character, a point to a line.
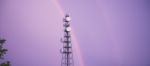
67	55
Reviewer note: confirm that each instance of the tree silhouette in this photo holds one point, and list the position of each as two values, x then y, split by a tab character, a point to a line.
2	53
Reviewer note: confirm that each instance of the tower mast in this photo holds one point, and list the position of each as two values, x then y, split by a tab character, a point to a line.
67	55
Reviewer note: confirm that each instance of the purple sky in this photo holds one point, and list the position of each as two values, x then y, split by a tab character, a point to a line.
109	32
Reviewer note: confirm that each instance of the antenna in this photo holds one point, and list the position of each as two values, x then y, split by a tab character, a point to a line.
67	54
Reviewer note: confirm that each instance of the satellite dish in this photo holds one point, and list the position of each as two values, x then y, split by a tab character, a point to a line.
67	18
68	29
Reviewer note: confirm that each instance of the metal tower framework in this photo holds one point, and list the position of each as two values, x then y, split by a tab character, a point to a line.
67	54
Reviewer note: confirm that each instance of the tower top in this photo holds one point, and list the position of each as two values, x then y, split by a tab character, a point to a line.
67	18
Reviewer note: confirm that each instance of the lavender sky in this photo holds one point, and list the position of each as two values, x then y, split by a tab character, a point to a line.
108	32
